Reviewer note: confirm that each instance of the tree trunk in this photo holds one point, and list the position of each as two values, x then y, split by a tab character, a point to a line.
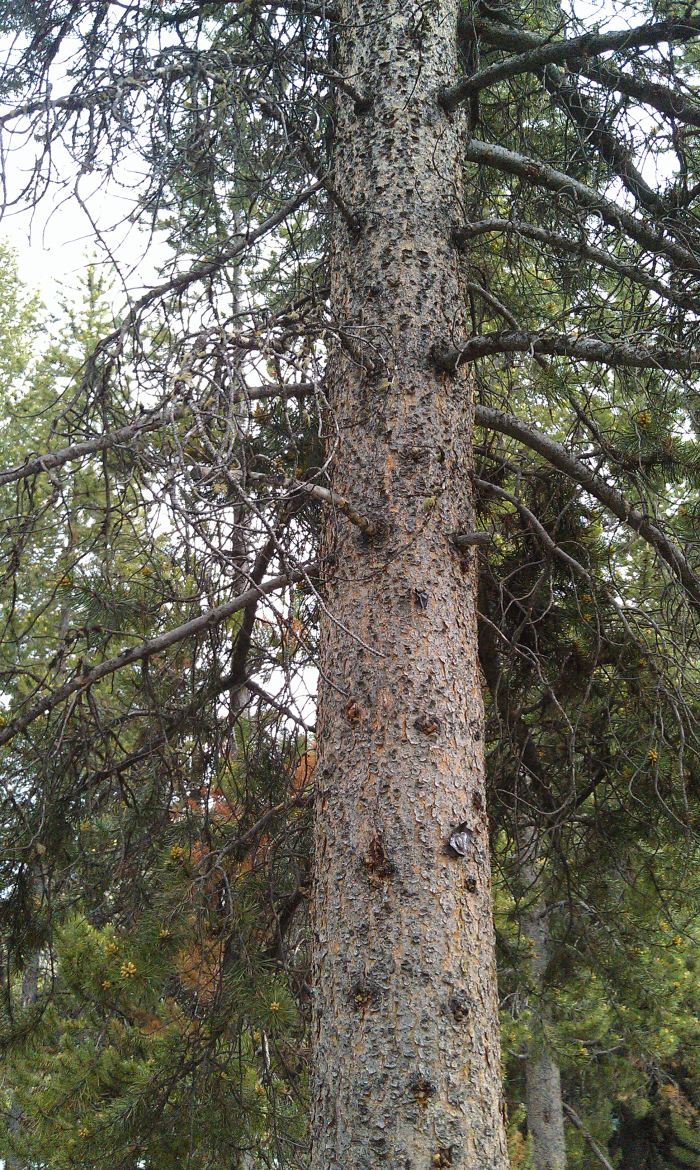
406	1039
545	1114
14	1125
29	996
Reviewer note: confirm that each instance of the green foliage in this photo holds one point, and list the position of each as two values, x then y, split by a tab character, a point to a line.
154	957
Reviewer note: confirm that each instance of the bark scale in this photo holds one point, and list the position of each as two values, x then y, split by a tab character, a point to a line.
543	1102
406	1039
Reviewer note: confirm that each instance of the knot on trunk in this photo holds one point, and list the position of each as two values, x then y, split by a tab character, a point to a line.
422	1091
364	993
378	865
443	1157
444	356
427	724
460	1007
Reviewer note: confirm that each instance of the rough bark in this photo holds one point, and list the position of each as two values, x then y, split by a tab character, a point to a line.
545	1114
406	1041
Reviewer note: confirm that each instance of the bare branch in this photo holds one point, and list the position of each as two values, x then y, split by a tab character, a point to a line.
179	283
364	523
104	95
152	421
584	349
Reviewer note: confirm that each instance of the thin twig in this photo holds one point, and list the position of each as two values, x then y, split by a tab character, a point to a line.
597	1150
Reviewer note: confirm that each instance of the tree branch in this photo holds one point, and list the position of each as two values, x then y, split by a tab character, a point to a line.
48	462
580	249
667	101
536	525
597	1150
557	455
272	702
585	349
209	619
179	283
105	95
542	175
592	124
571	50
502	311
370	527
552	547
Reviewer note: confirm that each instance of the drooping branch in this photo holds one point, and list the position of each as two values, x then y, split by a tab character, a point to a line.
492	301
580	110
584	349
582	250
558	456
206	621
100	96
105	96
153	421
542	175
178	284
596	1148
571	50
551	545
271	701
517	729
597	132
536	525
244	638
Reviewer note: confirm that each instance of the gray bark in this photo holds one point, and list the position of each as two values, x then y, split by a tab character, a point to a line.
29	996
15	1120
545	1117
406	1038
543	1102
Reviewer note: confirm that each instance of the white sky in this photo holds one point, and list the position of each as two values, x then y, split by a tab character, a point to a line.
55	241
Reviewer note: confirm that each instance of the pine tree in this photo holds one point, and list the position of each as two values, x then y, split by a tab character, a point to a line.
340	235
